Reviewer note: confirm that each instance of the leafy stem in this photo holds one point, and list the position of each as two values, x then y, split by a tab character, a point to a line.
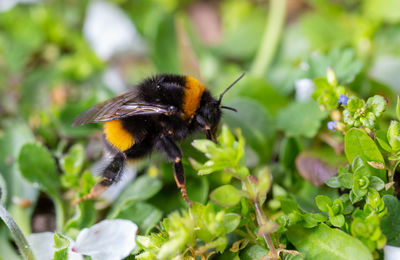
20	239
262	221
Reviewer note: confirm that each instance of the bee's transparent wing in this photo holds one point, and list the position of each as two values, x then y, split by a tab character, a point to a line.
124	105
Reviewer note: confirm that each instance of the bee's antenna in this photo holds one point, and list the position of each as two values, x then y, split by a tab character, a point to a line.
233	83
229	108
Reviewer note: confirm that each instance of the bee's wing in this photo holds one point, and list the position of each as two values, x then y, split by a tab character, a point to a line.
124	105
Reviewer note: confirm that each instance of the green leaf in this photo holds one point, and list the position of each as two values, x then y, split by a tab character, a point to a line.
231	221
308	119
143	188
226	195
343	61
198	189
61	243
376	183
14	135
390	224
326	243
255	122
333	182
38	167
264	178
358	143
85	216
337	221
393	135
289	205
289	149
145	215
323	202
253	252
346	180
313	219
381	137
72	163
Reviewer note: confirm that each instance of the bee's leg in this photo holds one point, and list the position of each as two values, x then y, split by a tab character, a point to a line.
111	174
207	128
174	154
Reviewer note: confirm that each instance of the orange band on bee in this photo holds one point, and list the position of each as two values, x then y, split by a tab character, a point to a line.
192	96
117	135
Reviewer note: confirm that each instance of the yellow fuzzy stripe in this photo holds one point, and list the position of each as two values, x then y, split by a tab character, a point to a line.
193	92
117	136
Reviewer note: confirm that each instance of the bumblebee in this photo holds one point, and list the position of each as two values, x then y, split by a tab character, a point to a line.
153	115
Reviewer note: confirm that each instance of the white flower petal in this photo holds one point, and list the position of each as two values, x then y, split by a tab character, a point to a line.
42	245
304	89
391	252
108	30
107	240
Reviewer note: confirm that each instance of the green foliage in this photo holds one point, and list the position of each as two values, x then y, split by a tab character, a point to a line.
327	91
38	166
180	231
61	244
250	200
304	125
389	224
317	243
360	113
226	195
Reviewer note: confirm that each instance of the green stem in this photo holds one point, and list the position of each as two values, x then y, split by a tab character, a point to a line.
262	220
59	212
269	43
20	239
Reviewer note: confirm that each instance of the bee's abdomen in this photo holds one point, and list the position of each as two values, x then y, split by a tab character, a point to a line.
117	136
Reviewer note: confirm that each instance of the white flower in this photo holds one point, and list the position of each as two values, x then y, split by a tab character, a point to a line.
109	31
43	246
109	239
304	89
391	252
106	240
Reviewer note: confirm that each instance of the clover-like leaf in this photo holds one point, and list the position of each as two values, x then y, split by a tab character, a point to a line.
226	195
337	221
323	202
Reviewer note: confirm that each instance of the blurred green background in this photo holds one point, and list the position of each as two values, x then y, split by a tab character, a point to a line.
57	58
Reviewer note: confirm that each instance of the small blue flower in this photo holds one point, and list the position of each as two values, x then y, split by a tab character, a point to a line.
343	99
332	125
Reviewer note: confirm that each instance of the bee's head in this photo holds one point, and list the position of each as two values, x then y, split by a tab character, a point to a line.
209	113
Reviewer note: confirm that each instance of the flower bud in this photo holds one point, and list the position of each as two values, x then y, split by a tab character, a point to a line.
331	77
